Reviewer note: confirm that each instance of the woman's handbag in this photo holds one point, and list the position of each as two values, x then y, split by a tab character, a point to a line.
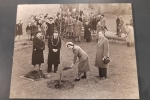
106	60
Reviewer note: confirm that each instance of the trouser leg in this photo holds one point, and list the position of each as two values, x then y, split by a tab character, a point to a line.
49	69
55	67
103	72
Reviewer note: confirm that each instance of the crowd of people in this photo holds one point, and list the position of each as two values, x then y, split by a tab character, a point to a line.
70	25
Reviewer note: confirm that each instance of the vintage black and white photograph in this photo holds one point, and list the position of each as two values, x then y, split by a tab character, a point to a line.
74	51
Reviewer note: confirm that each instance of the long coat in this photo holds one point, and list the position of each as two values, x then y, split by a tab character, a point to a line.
83	59
29	29
54	57
117	24
102	51
94	22
77	28
87	32
70	25
50	29
37	54
122	26
58	24
130	36
19	29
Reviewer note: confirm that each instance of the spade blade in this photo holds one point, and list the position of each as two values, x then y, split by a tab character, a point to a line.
66	68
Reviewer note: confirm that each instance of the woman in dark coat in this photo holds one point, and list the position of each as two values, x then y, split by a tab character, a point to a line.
54	45
50	29
19	29
87	31
102	52
83	66
38	47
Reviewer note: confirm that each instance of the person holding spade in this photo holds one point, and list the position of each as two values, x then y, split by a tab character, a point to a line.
83	66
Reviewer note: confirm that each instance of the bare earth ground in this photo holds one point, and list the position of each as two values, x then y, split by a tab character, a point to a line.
121	83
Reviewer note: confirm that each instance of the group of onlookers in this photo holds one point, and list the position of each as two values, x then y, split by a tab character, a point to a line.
68	25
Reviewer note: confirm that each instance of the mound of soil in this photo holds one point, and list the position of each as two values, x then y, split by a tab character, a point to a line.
35	75
55	84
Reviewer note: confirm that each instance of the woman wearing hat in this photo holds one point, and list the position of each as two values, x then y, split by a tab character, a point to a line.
54	45
102	52
38	47
83	66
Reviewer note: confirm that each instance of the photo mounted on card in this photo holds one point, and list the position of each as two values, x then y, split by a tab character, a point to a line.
74	51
